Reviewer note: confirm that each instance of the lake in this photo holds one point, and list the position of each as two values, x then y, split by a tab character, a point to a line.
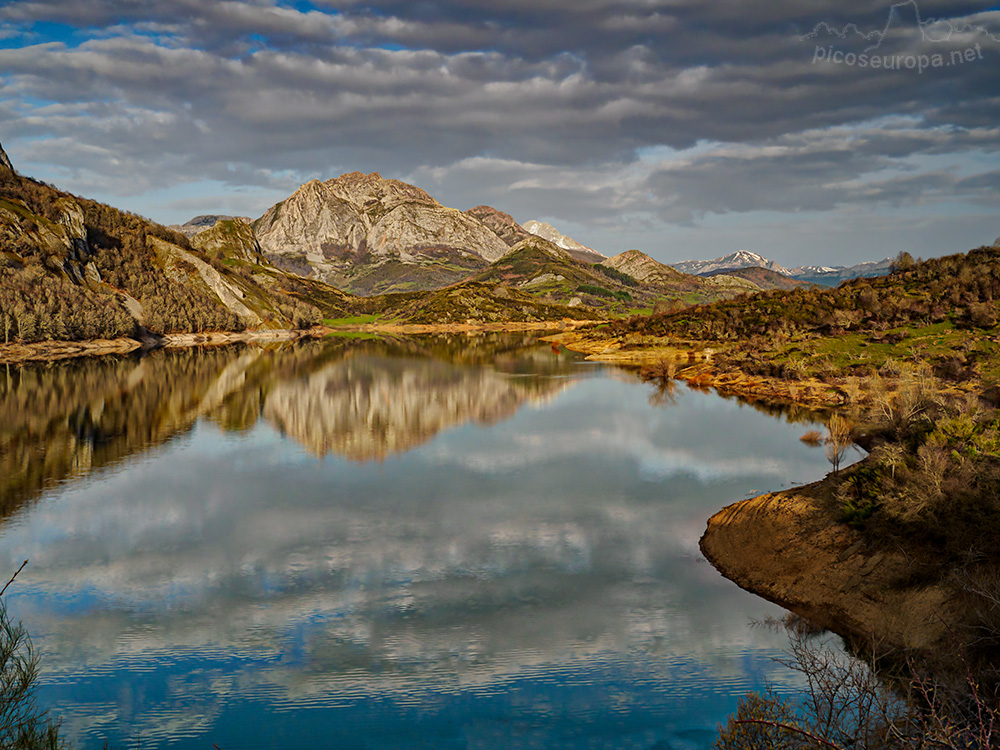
426	543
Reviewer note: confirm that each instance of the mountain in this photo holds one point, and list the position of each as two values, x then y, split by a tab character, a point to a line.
369	235
620	284
574	248
762	278
75	269
739	259
501	224
833	275
642	268
201	223
825	275
229	237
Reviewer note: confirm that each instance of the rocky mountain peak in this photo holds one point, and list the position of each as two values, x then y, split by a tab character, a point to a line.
739	259
502	224
579	251
640	266
4	160
371	193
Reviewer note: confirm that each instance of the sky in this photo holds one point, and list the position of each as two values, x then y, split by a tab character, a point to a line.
684	128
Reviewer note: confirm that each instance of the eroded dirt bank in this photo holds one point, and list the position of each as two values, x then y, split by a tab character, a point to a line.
787	547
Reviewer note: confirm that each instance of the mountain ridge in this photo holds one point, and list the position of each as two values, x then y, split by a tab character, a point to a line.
824	275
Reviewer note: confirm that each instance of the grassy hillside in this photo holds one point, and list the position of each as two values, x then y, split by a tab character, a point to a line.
546	271
75	269
913	358
763	278
942	312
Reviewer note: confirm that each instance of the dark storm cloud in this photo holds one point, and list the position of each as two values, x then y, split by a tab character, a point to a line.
574	92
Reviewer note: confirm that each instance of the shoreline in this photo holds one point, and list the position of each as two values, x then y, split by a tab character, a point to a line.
785	547
791	547
694	365
54	351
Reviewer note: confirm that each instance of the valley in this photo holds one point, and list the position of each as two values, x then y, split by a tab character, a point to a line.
358	246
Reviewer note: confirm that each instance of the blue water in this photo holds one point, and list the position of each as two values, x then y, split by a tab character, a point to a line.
397	550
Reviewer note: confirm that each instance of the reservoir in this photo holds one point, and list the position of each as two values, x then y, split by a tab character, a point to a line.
442	542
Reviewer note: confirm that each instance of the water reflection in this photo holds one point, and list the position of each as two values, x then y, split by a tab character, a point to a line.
532	581
364	399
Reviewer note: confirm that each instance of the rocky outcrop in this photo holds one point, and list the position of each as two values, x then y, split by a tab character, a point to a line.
230	237
577	250
176	259
4	160
414	232
354	231
502	225
642	268
732	283
63	242
203	223
787	548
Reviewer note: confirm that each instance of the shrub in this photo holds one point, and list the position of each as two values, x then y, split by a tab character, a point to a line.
23	725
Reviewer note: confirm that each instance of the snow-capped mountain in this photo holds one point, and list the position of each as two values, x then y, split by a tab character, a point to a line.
739	259
833	275
826	275
577	250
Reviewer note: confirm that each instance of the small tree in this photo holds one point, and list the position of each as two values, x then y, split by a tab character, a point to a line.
838	440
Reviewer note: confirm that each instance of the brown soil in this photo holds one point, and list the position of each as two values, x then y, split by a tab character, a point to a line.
785	547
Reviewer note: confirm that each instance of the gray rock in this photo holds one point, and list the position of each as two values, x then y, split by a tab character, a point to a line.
357	223
4	160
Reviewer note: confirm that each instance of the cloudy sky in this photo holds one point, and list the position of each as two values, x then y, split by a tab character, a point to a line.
688	129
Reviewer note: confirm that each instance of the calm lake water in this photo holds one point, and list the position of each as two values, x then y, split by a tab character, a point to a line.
438	543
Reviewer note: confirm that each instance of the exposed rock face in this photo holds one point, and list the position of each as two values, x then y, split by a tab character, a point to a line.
503	225
574	248
641	267
76	233
354	231
228	293
202	223
64	240
229	236
4	160
735	283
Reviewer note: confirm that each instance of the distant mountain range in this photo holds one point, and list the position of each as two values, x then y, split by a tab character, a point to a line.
825	275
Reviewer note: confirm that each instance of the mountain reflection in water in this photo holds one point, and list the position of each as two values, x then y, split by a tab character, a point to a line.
499	577
360	399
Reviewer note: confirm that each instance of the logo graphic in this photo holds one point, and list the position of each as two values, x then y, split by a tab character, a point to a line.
903	16
935	30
